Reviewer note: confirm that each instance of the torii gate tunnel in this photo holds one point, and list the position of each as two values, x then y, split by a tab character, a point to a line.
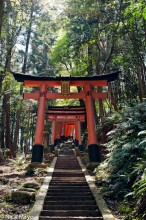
88	94
66	121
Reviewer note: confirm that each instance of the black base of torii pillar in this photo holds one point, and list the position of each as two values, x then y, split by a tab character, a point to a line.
80	146
93	152
37	153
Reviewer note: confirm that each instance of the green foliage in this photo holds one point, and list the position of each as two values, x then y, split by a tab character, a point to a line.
125	141
125	162
39	61
67	102
30	171
19	161
8	198
124	208
61	49
140	186
136	9
62	52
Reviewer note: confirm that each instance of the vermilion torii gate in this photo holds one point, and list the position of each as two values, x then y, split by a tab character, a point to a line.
88	94
70	119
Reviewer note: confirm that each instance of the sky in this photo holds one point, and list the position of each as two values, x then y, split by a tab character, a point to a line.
59	4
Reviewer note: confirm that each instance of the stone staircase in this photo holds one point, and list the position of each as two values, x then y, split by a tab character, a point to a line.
69	196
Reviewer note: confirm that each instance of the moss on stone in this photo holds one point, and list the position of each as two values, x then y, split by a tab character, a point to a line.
23	197
32	185
28	190
91	166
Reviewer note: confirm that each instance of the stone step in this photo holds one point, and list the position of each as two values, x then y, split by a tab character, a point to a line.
70	191
68	175
67	171
69	179
69	184
69	218
67	168
69	198
68	188
68	194
70	207
74	213
70	202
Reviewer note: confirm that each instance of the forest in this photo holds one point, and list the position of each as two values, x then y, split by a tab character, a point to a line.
81	38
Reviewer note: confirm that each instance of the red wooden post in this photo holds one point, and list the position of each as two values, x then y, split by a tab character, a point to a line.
66	130
53	132
37	149
57	136
58	131
53	135
93	148
63	131
72	130
76	134
79	135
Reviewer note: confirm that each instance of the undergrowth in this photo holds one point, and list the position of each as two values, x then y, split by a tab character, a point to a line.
123	172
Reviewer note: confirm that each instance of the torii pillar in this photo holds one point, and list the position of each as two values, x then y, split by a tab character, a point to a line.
38	148
63	131
93	147
53	135
76	134
78	125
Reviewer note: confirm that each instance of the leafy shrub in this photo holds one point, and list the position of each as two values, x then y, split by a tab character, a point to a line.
30	171
126	159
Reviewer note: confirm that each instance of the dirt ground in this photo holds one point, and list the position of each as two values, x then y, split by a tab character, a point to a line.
12	177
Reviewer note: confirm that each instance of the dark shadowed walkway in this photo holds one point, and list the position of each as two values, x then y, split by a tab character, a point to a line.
69	196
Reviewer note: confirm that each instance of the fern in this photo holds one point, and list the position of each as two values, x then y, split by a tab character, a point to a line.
126	158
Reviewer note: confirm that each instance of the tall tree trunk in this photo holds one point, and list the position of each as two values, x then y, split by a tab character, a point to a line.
1	24
1	132
90	64
46	50
16	132
2	124
141	86
1	155
100	101
8	59
113	102
1	16
27	132
28	39
8	130
7	100
101	109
